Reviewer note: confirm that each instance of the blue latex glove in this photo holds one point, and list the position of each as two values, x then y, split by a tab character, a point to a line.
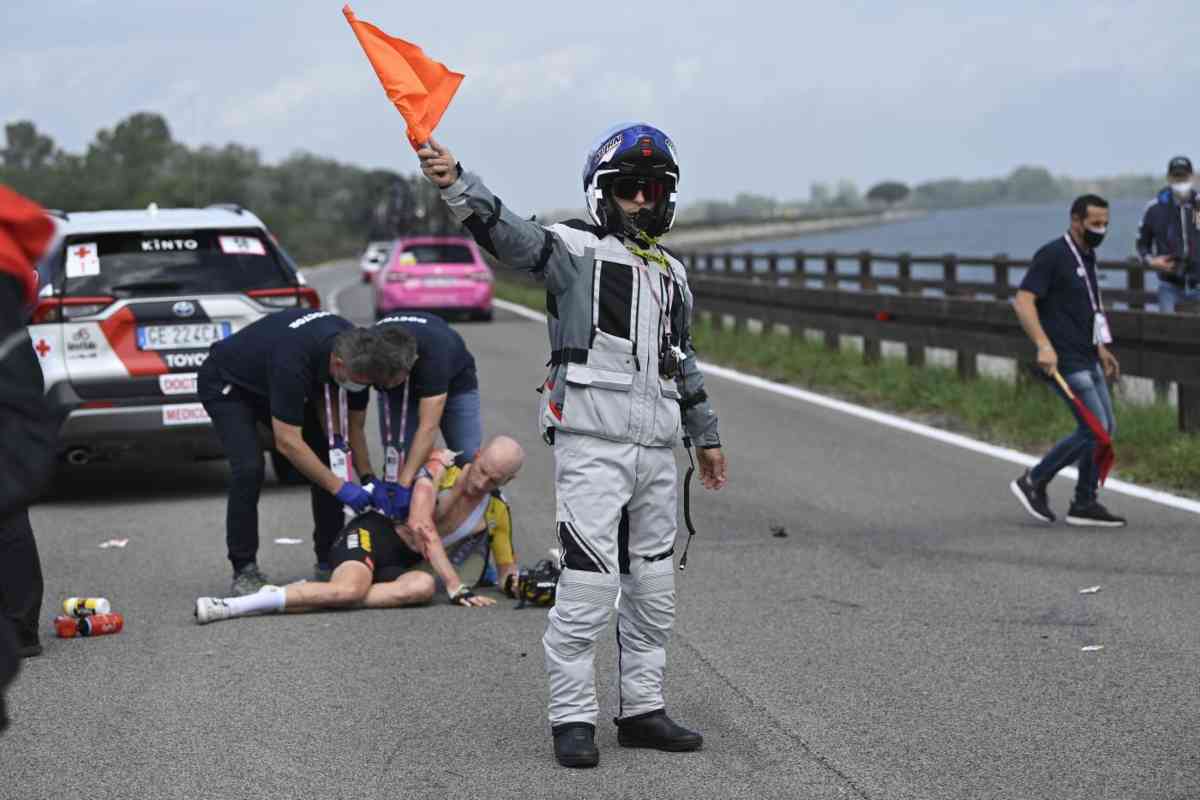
401	500
355	496
391	498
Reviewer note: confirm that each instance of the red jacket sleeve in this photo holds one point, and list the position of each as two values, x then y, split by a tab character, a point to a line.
25	231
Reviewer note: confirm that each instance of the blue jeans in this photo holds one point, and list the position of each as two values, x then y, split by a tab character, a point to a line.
1169	295
1079	448
461	425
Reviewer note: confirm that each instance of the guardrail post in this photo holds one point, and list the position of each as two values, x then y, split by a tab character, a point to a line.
1137	283
871	345
832	341
831	280
904	273
1189	407
865	282
1000	275
950	274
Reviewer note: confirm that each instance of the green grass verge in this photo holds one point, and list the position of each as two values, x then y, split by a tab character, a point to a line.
1026	416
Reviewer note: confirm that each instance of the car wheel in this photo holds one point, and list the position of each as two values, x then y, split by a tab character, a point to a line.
285	471
484	316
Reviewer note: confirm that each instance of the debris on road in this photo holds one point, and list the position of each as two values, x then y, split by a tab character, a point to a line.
113	543
779	532
1090	590
286	540
1091	648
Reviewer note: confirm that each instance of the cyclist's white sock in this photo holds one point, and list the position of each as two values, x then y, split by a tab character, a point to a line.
268	599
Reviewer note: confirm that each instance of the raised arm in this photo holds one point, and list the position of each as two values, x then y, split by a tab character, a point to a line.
518	242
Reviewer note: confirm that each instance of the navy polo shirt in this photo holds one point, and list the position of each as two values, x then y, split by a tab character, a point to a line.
284	358
1063	305
444	364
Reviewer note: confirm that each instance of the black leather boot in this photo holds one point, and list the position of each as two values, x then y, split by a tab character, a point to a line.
656	730
575	744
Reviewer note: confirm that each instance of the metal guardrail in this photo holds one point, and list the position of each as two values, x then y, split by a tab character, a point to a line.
970	318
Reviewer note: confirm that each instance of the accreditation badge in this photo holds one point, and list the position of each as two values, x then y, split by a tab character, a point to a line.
339	464
391	464
1101	334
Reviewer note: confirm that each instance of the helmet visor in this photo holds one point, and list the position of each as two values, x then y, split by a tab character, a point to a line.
652	189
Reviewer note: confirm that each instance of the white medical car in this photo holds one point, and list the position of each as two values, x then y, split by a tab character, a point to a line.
130	302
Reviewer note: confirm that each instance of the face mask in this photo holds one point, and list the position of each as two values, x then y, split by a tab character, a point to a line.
350	386
1093	238
1182	188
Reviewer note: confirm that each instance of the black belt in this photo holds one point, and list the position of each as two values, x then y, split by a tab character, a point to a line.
568	355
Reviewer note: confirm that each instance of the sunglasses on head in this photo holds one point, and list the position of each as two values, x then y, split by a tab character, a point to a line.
626	187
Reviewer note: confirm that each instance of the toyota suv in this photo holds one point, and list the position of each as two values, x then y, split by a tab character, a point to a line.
130	302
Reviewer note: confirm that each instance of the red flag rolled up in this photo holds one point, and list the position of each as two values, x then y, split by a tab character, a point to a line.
1104	456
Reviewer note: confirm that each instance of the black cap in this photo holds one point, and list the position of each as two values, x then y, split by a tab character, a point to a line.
1179	164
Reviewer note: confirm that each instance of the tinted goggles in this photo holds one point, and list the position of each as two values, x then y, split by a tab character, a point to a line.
626	187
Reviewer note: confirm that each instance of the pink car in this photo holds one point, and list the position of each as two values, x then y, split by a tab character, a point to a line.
435	273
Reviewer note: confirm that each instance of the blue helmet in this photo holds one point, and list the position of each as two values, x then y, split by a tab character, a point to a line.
644	157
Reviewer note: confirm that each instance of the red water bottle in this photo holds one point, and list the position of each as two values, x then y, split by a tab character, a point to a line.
101	624
66	627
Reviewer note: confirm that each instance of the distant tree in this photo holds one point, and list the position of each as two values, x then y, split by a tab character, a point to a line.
847	195
1031	185
819	195
124	165
888	193
755	206
25	149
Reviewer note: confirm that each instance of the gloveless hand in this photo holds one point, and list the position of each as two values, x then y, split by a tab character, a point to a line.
438	164
1047	359
1112	367
712	467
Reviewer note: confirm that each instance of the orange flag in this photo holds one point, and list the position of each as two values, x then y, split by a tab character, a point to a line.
418	86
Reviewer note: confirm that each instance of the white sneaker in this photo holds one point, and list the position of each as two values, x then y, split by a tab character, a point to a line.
211	609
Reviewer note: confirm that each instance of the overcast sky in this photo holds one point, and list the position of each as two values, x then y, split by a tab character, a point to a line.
765	97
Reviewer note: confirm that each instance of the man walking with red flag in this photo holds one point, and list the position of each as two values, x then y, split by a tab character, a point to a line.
1060	308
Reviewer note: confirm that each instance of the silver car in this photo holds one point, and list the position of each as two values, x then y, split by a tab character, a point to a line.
130	302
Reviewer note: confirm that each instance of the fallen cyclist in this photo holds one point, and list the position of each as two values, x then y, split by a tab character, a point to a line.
457	509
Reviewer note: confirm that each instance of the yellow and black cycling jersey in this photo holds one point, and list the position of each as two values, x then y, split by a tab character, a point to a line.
497	515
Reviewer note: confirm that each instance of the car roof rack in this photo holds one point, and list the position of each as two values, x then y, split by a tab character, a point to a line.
58	212
234	207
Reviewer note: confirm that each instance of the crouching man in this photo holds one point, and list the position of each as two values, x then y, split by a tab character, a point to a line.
457	508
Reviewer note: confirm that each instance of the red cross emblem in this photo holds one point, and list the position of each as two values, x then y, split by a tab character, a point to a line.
42	347
83	252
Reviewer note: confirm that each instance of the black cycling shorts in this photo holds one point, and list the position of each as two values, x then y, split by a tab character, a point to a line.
370	539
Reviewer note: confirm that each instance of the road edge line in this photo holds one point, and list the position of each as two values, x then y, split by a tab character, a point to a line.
901	423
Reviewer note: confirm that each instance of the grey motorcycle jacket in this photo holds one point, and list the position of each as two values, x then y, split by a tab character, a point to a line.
610	313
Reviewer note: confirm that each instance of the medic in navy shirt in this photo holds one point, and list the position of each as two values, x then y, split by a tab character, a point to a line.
442	393
305	374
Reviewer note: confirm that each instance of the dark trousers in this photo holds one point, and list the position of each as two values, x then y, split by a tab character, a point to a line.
235	415
20	577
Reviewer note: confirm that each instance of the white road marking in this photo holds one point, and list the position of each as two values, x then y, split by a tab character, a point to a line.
900	423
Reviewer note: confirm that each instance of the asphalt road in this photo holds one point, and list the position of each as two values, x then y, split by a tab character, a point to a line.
914	635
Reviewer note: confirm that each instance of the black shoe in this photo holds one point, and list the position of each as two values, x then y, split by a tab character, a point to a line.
575	744
1093	515
1033	497
656	730
248	580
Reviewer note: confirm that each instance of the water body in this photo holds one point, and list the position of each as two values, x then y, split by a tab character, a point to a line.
1017	231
